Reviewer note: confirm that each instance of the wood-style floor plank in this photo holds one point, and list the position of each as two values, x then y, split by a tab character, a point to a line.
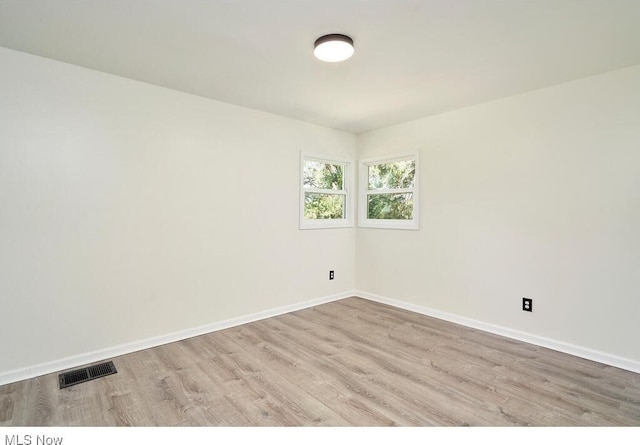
347	363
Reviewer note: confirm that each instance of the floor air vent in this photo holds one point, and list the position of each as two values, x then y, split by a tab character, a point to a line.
85	374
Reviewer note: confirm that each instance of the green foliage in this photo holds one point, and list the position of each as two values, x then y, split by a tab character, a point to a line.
394	175
390	206
319	175
322	176
323	206
391	176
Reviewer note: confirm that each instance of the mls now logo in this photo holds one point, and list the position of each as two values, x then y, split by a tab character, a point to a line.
28	439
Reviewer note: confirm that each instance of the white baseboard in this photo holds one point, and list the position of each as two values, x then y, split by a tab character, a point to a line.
115	351
578	351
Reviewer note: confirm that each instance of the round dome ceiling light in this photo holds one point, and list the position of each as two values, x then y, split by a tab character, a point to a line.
333	48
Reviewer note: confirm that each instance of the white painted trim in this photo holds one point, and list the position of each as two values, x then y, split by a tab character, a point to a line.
115	351
108	353
578	351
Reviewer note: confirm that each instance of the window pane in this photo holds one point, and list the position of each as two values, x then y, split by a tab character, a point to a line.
393	175
323	206
390	206
321	175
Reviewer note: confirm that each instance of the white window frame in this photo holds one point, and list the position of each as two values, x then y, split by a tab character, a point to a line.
364	193
347	192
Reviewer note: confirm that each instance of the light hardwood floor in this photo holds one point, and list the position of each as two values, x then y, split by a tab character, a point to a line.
351	362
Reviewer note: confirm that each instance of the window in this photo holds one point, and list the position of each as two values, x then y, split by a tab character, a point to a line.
389	192
325	197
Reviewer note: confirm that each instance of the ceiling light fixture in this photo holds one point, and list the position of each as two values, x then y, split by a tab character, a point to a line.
333	48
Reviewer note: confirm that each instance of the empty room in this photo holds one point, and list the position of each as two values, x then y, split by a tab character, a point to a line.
319	213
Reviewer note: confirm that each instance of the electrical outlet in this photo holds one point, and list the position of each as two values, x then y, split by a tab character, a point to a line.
331	275
527	304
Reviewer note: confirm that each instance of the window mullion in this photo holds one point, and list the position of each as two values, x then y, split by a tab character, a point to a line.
390	191
325	191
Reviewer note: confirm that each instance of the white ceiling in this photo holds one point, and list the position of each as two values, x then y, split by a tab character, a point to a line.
413	57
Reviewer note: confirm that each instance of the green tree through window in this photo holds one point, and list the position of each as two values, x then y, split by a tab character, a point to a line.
389	192
394	176
322	177
324	192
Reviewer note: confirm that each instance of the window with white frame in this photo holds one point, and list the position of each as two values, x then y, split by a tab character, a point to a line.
325	192
389	192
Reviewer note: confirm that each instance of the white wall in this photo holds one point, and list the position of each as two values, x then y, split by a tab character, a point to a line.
534	195
129	211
